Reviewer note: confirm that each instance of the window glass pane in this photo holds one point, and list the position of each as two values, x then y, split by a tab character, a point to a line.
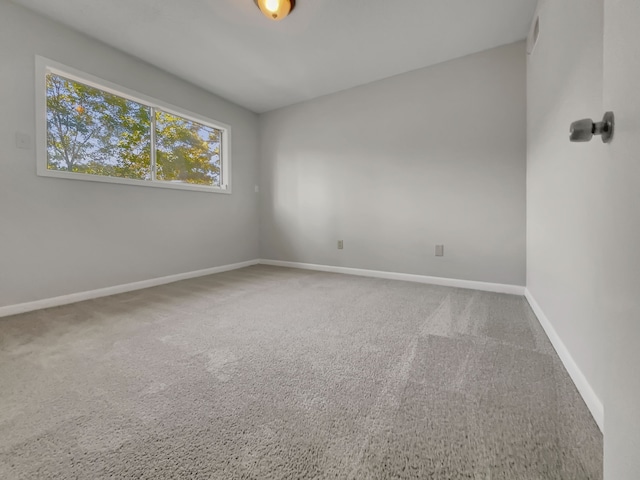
187	151
95	132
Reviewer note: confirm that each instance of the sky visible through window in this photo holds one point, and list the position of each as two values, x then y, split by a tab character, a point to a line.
94	132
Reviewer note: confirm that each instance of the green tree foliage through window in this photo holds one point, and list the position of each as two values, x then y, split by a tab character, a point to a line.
94	132
187	151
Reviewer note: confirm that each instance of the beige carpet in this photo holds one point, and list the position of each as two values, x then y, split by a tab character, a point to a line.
272	373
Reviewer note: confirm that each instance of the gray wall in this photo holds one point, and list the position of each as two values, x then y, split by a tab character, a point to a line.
63	236
565	238
434	156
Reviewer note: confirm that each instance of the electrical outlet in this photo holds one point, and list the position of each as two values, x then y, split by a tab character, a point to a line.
439	250
340	244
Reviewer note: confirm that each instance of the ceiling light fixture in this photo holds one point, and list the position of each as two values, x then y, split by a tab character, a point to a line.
275	9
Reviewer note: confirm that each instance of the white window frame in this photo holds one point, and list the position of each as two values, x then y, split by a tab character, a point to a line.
45	66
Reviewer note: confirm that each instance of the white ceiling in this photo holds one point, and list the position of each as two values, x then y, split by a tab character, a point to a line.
229	48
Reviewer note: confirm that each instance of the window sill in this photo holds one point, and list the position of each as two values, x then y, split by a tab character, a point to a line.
130	181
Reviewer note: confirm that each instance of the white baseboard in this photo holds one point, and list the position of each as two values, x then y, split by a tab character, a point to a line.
407	277
589	396
128	287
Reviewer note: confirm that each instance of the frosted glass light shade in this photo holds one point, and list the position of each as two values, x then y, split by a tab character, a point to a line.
275	9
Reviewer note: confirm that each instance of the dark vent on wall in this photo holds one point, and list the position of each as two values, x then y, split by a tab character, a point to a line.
533	36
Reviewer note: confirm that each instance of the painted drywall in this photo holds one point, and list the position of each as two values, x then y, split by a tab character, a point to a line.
225	46
434	156
565	235
64	236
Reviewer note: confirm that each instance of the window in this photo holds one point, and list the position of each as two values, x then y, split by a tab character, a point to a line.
96	131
